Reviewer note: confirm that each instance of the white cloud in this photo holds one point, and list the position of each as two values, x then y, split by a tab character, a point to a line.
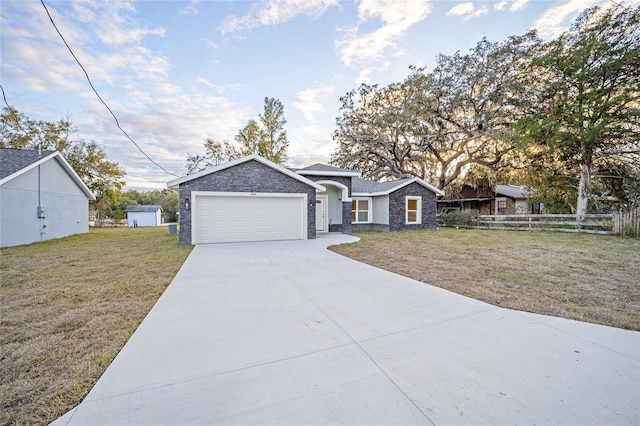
165	119
467	10
518	4
461	9
501	6
559	17
308	101
190	9
217	88
275	12
397	17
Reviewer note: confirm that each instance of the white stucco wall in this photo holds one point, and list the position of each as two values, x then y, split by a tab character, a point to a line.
381	210
335	204
67	206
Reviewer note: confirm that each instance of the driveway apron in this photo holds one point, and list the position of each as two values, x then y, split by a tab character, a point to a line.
290	333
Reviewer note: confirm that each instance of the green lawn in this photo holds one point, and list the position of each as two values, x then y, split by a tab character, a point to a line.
68	306
594	278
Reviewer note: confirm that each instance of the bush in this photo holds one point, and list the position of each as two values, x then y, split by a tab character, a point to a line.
455	219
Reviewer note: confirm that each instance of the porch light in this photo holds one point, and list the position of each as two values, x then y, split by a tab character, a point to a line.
187	203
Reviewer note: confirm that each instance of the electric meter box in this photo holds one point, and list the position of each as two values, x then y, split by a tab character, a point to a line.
42	212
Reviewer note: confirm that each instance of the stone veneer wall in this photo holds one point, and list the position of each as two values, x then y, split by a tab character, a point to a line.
397	208
251	176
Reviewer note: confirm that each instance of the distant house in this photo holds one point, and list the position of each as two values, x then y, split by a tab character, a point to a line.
138	216
504	199
41	197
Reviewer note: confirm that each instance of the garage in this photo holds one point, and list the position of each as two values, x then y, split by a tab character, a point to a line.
224	217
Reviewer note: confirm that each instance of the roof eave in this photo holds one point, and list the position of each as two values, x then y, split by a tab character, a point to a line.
65	165
176	182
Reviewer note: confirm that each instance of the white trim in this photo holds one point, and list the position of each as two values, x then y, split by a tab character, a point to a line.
327	173
344	188
402	185
65	165
194	210
325	212
418	208
369	210
176	182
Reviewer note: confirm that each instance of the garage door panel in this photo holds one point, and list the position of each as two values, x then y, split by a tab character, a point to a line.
222	218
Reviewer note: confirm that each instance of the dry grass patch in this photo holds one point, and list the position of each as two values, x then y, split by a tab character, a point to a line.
67	308
591	278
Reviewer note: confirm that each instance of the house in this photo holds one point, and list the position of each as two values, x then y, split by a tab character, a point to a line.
253	199
504	199
41	197
149	215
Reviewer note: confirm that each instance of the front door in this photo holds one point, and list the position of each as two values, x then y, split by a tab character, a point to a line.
321	213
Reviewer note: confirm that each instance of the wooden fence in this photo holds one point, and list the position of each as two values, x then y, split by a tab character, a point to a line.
627	223
591	223
619	223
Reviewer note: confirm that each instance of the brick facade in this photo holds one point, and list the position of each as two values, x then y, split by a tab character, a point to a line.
397	208
251	176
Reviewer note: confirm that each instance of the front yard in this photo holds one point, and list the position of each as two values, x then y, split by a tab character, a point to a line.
69	305
67	308
593	278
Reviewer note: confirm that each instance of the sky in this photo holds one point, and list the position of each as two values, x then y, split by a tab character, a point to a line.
177	72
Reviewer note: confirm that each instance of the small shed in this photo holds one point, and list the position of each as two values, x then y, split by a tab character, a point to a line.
138	216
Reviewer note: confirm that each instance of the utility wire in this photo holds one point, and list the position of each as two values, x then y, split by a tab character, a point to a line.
98	95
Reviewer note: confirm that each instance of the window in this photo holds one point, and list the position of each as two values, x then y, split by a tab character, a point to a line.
413	210
360	210
502	206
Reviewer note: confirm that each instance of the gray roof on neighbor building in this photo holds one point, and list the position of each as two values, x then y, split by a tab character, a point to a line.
13	160
512	191
371	187
319	167
140	209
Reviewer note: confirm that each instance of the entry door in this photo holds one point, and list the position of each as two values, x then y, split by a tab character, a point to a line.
321	213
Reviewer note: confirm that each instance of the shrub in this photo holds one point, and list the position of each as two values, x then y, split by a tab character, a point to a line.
455	219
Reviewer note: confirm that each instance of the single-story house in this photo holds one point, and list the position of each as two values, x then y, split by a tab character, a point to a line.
148	215
253	199
41	197
504	199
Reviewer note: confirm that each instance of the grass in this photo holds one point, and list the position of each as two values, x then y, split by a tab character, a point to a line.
67	307
593	278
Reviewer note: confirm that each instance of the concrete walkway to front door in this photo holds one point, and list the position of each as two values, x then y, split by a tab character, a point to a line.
290	333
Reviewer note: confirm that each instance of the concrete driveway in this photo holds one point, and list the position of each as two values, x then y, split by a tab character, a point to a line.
290	333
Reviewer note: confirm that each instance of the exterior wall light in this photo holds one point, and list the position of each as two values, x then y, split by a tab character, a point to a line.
187	204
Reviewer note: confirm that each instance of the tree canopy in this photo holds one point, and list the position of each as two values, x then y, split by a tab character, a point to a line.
560	117
267	138
87	159
587	112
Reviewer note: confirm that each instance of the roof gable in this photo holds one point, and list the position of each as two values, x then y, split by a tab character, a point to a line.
253	157
365	187
15	162
320	169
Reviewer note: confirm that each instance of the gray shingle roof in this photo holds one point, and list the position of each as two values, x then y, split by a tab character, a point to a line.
139	209
13	160
319	167
512	191
365	186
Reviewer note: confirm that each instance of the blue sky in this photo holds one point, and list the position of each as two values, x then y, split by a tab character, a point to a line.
177	72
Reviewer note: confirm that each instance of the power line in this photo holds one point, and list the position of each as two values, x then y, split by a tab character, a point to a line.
98	95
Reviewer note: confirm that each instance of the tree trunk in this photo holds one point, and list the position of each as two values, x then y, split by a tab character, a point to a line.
584	192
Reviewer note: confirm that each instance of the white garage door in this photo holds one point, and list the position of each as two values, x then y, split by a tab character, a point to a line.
227	218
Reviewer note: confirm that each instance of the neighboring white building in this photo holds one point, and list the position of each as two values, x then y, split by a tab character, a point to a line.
138	216
41	197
